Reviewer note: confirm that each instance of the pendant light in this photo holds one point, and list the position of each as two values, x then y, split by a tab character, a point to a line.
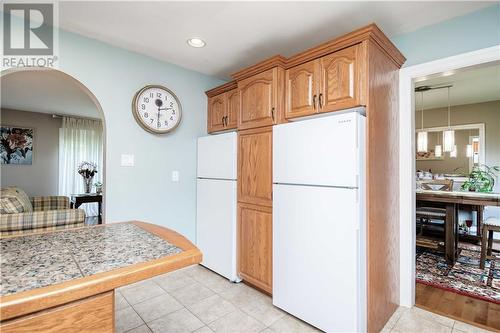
449	134
422	135
438	149
468	150
453	152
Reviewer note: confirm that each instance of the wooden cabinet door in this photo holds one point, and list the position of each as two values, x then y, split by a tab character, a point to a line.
233	109
216	112
255	239
340	80
302	85
258	99
255	158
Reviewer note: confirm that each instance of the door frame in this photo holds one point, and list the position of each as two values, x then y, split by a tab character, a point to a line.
407	79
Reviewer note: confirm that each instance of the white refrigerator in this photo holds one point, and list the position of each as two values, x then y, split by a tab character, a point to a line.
216	203
319	261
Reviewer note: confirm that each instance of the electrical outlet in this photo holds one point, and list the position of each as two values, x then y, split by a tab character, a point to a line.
175	176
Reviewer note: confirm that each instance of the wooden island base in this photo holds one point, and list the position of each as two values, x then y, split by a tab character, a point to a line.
92	314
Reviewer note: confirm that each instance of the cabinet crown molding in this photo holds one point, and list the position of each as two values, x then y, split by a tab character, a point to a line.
369	32
276	61
221	89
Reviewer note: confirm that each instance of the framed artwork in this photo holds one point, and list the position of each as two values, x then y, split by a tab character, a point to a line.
16	145
429	156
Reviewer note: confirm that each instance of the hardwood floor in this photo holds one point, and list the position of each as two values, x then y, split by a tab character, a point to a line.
470	310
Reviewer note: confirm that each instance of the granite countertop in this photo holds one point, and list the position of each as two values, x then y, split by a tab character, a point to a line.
35	261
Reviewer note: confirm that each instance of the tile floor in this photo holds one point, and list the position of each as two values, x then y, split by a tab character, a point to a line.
195	299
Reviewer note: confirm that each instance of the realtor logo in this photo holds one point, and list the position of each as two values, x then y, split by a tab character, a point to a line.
29	37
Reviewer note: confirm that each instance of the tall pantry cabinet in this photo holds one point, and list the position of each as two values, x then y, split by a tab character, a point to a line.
357	69
261	106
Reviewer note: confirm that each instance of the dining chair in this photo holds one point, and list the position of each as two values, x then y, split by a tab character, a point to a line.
490	225
432	217
437	184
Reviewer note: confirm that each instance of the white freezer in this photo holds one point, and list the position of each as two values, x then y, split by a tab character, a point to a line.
319	256
216	225
217	156
323	151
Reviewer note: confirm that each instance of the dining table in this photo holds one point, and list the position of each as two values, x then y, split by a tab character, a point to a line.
452	201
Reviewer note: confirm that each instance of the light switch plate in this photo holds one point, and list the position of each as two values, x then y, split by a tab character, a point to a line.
127	160
175	176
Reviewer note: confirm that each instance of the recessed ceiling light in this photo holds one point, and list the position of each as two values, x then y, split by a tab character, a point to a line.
196	42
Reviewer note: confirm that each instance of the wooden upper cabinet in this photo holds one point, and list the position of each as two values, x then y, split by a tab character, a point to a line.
217	106
258	100
255	158
223	111
233	109
341	81
302	89
255	245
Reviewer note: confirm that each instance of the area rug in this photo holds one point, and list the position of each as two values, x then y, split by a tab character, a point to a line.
465	277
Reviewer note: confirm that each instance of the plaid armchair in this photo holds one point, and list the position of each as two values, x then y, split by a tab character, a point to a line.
21	215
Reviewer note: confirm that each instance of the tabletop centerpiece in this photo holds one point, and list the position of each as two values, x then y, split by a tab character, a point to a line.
87	170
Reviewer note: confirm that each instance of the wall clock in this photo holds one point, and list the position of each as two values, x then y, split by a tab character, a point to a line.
156	109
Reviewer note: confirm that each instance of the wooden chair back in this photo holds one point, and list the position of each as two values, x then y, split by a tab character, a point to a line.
437	185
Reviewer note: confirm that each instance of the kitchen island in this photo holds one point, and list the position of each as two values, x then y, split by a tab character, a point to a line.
64	281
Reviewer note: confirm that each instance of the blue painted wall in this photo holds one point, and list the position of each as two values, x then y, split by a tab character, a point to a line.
144	192
113	75
474	31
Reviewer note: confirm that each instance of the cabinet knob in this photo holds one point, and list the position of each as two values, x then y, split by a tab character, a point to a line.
223	123
272	113
226	119
321	100
314	102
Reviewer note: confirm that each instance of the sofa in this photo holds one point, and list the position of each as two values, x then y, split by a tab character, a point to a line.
20	214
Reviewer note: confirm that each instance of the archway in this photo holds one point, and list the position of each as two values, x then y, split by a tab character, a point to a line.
35	81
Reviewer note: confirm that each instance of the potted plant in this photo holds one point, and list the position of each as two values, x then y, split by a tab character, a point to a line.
481	179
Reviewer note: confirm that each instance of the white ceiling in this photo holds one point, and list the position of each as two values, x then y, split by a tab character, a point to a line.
475	85
239	34
47	92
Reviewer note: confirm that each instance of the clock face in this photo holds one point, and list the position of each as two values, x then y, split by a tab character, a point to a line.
156	109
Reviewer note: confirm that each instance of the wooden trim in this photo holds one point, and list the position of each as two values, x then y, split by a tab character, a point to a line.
382	188
276	61
22	303
280	96
95	313
371	31
221	89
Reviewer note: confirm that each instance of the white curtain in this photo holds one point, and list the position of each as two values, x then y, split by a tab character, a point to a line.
79	140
